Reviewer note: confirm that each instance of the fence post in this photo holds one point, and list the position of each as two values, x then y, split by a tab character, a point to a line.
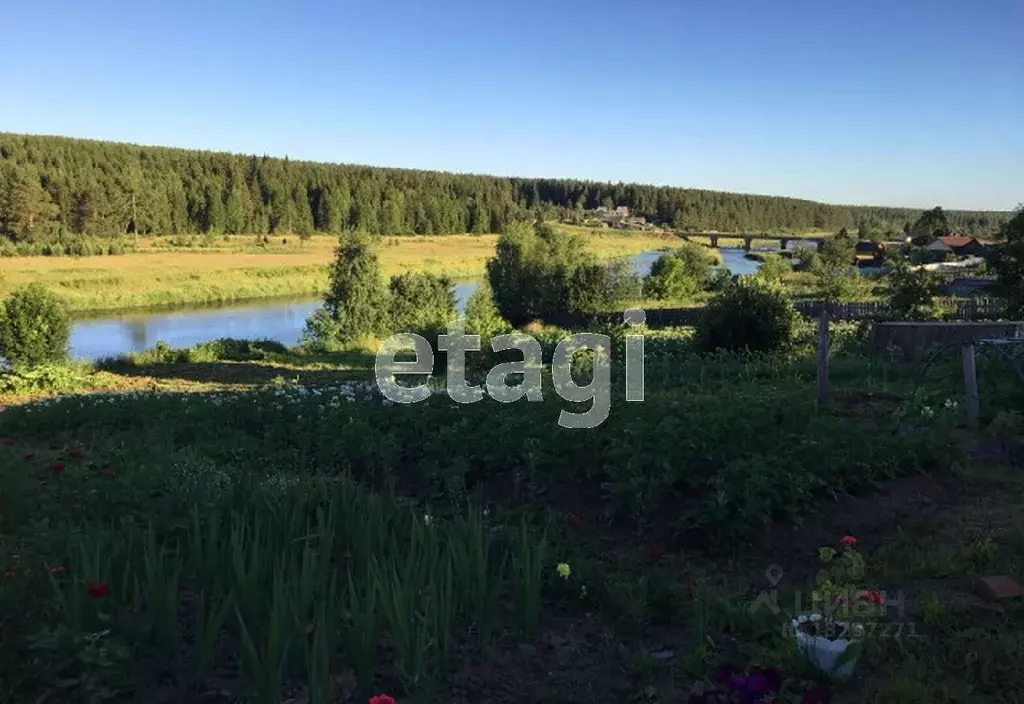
970	386
823	358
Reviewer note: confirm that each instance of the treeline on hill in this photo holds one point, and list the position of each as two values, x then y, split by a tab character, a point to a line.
55	186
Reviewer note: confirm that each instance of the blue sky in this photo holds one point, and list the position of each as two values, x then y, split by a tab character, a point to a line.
901	102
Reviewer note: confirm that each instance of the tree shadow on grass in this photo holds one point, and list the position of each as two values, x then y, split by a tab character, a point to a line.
314	370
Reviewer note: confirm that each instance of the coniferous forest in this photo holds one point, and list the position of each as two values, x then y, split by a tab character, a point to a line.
56	186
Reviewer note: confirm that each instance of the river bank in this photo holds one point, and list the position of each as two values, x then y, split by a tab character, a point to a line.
238	269
282	319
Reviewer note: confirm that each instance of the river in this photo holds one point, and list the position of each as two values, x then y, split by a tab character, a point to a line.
280	319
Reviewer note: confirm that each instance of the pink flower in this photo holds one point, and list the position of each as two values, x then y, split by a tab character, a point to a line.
848	540
382	699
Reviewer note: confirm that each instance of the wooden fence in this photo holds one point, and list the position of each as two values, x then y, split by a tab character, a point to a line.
969	309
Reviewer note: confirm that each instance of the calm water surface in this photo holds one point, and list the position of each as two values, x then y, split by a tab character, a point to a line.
281	320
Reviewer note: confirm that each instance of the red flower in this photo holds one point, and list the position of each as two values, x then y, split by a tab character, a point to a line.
77	454
382	699
58	571
97	590
8	574
28	456
107	474
818	694
874	597
572	521
848	540
654	552
56	467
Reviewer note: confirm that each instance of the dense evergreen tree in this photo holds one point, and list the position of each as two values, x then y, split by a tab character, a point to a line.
932	223
352	306
49	184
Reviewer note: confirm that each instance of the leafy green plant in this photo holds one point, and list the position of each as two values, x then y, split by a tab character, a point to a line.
529	556
748	314
34	327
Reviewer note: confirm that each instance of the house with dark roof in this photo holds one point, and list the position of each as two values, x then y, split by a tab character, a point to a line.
963	246
869	249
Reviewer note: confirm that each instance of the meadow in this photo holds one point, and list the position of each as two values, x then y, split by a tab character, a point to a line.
173	271
243	522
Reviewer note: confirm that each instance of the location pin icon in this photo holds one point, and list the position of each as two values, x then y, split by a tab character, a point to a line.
774	574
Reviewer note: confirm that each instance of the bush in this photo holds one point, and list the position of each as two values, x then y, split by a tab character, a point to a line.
599	286
222	349
680	274
482	316
532	272
34	327
420	301
774	267
912	292
749	314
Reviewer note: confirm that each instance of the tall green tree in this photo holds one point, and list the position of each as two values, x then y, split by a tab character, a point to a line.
26	209
931	224
356	299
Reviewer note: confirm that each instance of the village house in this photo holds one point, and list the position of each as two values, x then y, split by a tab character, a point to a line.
869	249
963	246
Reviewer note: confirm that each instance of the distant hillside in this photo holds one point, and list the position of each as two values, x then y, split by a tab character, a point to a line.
57	185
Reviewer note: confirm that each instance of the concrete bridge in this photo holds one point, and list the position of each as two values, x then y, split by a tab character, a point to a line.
748	240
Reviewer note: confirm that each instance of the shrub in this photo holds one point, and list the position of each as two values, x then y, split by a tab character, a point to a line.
774	267
599	285
911	292
533	270
420	302
34	327
680	273
749	314
321	332
482	316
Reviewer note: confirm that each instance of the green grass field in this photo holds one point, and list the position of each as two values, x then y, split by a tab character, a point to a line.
238	268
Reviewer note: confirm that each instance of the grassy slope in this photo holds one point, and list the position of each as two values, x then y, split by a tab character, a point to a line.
238	270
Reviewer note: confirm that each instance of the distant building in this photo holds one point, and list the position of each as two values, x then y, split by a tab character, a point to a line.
939	247
963	246
869	248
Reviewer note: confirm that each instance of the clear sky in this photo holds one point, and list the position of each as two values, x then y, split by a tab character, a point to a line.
897	102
